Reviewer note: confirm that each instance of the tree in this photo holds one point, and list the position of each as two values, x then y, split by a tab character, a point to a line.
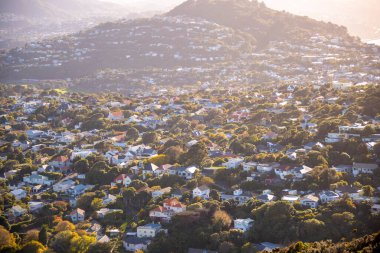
80	244
149	137
173	153
64	226
33	247
221	220
85	200
196	154
4	222
7	240
43	235
61	241
132	133
96	204
82	166
368	190
100	248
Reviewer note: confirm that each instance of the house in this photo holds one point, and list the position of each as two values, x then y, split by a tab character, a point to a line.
343	168
159	193
248	166
265	168
233	163
160	213
290	198
104	211
116	115
63	186
108	199
15	212
352	191
78	189
77	215
309	201
123	179
37	179
19	194
327	196
187	173
301	171
266	197
169	208
82	153
113	232
238	195
148	230
60	162
365	168
309	146
35	206
243	224
151	168
103	239
133	243
202	191
375	209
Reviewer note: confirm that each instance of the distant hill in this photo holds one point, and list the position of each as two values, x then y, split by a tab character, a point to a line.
213	42
255	18
57	9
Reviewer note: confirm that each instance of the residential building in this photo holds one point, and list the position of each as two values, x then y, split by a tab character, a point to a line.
243	224
77	215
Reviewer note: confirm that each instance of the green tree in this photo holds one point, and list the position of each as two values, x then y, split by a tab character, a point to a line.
43	235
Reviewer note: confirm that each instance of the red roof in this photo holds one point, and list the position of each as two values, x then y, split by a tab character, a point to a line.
120	177
173	202
61	158
117	114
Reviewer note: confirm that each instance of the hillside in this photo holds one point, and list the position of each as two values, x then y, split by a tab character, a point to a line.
255	18
162	42
187	49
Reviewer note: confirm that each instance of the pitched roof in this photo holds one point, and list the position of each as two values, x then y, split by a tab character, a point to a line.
117	114
79	211
61	158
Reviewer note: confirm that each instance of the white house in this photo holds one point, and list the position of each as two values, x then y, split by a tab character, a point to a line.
187	173
160	192
248	166
63	186
77	215
365	168
35	206
37	179
15	212
290	198
233	163
309	201
104	211
108	199
243	224
19	193
148	230
123	179
133	243
264	168
202	191
327	196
